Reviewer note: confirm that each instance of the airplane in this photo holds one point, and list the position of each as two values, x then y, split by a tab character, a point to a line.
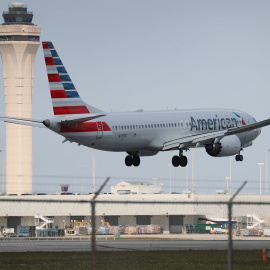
222	132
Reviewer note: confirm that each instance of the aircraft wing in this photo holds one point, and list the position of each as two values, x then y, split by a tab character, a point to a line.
205	138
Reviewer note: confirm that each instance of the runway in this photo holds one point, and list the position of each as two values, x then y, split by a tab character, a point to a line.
23	245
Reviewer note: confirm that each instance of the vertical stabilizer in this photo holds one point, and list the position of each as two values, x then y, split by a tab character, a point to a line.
65	97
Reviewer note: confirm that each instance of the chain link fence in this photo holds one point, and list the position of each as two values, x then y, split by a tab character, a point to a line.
230	218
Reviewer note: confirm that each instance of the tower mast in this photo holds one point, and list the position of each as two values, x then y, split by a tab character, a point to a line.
19	42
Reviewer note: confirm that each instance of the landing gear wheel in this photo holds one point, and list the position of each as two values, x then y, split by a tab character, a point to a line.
136	161
128	161
239	158
183	161
176	161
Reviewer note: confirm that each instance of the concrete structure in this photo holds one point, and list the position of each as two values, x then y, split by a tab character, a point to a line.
175	211
19	42
136	187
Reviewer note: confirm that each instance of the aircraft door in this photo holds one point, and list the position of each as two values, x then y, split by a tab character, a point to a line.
99	130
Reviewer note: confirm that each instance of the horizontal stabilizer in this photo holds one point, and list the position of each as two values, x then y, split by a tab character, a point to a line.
3	118
40	123
71	120
32	124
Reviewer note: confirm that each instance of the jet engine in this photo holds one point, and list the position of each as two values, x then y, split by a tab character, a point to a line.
227	146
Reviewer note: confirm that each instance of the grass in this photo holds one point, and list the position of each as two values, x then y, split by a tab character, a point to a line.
133	260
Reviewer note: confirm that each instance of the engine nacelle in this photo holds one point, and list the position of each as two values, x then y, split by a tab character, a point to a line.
227	146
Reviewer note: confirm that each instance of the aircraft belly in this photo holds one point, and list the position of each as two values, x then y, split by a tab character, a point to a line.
90	139
132	144
109	141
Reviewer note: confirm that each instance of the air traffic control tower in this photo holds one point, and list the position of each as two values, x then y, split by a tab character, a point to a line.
19	42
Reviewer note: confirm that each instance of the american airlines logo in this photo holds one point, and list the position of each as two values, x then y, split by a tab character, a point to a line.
212	124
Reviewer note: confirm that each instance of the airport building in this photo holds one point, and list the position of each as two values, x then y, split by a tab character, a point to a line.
19	42
172	212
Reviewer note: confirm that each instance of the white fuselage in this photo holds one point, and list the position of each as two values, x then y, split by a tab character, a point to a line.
146	132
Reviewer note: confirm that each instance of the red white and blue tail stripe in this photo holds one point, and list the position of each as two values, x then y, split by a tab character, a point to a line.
65	98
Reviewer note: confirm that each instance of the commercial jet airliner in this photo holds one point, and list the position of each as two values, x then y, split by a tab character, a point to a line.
222	132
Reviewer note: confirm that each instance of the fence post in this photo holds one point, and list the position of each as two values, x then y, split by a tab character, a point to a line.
93	240
230	245
230	236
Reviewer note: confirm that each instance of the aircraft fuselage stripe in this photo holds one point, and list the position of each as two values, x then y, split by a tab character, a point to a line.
85	127
70	110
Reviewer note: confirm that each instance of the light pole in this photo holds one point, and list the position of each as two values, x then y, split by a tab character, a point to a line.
228	178
3	179
230	175
260	165
82	176
192	171
187	178
94	172
266	180
170	166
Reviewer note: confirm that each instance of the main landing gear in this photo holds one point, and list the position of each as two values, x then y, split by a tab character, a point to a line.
180	160
132	160
239	157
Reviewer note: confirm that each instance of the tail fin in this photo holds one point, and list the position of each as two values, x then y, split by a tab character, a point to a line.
65	98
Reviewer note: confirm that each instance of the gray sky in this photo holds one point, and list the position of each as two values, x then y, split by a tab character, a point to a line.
153	55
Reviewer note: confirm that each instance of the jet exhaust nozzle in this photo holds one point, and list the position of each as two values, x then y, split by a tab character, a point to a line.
46	123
